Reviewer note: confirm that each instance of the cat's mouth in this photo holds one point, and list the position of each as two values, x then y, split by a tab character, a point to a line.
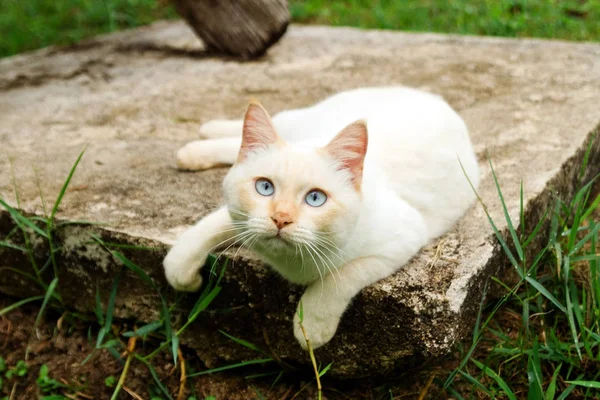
279	239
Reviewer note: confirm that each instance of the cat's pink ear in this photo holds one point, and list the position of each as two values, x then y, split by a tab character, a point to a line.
258	130
349	149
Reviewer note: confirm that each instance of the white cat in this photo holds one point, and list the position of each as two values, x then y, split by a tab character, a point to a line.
319	208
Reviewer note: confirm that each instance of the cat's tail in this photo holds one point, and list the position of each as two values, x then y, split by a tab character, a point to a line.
222	128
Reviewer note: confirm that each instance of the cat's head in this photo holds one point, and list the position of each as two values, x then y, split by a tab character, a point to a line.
289	196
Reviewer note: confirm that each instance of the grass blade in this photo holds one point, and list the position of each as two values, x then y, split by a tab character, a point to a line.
65	185
476	383
13	246
324	370
262	375
20	219
588	257
18	304
503	244
595	204
455	394
570	316
538	286
480	313
522	209
243	342
231	366
586	238
166	317
160	385
277	378
25	275
586	156
133	267
534	374
300	312
588	384
98	308
47	297
201	305
551	390
258	393
38	319
578	205
109	313
535	231
577	307
511	229
127	262
489	372
566	393
144	330
174	348
111	302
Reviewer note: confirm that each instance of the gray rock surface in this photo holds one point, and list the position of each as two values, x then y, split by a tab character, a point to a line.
135	97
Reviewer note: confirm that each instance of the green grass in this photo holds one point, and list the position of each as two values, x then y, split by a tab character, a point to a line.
31	24
541	340
570	19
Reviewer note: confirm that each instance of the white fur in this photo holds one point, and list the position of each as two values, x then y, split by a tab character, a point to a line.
413	190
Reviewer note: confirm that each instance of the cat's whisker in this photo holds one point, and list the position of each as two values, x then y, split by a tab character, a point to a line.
239	239
296	253
335	268
326	238
250	239
251	245
301	258
238	212
243	236
318	253
235	228
331	272
225	241
333	250
318	269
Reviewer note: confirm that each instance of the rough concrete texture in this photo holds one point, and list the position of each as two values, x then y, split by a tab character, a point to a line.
135	97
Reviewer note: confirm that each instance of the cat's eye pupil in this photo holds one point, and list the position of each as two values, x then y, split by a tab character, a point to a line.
264	187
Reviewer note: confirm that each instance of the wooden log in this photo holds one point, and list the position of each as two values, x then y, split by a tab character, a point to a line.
240	28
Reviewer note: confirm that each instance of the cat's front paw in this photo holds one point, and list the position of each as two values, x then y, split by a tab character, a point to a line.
319	329
182	274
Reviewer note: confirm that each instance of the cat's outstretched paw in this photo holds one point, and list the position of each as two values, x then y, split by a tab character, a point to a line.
181	274
319	330
196	156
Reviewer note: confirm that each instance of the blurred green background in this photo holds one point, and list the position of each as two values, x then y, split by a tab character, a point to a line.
31	24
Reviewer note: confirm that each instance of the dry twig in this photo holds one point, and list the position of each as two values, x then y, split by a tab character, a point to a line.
130	351
312	358
183	378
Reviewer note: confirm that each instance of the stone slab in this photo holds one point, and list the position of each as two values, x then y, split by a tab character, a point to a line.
134	97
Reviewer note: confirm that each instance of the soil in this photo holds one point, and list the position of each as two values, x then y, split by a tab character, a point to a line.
62	342
64	345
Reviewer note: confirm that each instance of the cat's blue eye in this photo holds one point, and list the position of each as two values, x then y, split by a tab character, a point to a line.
264	187
316	198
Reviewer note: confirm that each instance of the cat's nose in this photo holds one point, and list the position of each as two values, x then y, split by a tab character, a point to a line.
282	219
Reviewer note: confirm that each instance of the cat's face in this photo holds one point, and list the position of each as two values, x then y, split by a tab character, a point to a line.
285	197
289	197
